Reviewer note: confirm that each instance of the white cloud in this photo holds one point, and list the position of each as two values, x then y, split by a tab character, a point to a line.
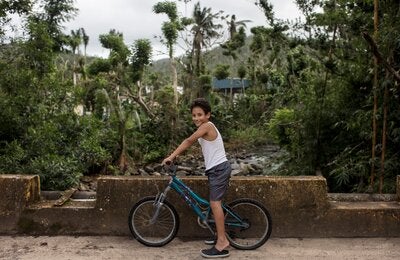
136	20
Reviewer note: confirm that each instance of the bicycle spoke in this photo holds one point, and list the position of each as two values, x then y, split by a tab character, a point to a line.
253	227
159	233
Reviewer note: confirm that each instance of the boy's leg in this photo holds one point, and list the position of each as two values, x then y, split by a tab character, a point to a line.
222	241
218	179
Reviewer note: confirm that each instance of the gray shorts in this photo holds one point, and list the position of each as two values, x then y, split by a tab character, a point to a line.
218	180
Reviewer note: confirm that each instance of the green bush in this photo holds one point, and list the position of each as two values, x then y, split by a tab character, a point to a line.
56	172
12	157
221	71
95	144
91	153
251	109
282	127
251	136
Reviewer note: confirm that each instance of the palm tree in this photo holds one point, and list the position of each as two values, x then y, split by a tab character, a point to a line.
233	25
204	29
85	39
237	37
75	41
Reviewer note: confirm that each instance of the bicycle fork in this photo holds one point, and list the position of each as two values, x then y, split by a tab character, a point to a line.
158	202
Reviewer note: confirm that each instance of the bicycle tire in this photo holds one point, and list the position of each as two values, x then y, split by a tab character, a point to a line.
162	231
259	220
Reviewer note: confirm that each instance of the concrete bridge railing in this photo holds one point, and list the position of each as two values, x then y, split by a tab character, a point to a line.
300	207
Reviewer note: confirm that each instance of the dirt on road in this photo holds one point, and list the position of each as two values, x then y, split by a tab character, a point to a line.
111	247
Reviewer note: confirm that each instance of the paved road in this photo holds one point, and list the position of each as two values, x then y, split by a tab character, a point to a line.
111	247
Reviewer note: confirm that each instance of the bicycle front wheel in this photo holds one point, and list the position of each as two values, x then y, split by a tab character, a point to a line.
161	231
257	220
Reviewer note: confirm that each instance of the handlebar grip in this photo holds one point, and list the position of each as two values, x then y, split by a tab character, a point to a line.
171	167
169	163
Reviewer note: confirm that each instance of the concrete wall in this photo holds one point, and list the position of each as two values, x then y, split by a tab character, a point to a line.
17	192
299	207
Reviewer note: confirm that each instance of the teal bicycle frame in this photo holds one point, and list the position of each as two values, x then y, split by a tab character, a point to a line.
195	202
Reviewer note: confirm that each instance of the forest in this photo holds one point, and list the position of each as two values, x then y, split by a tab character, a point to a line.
324	88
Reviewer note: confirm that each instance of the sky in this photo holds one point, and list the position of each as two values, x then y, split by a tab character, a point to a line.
136	20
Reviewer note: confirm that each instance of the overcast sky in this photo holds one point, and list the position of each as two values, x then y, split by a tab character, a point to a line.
136	20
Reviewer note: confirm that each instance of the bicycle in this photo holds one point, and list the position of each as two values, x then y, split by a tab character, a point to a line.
153	221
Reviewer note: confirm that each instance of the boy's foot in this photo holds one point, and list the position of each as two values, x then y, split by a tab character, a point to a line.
214	253
210	241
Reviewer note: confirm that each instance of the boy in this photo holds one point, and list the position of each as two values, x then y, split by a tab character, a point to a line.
218	169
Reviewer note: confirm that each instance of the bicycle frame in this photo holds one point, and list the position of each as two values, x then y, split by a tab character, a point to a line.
195	202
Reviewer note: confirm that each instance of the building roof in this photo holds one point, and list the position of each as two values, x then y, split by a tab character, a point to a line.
234	83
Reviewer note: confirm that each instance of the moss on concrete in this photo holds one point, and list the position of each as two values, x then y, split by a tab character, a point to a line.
299	207
18	191
26	225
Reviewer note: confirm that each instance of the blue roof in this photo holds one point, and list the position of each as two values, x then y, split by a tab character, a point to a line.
229	83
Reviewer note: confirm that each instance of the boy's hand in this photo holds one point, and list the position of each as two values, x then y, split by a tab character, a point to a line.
167	161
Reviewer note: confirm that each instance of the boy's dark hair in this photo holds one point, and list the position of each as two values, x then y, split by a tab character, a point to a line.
202	103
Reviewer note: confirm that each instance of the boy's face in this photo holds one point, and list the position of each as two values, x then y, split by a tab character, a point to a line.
199	117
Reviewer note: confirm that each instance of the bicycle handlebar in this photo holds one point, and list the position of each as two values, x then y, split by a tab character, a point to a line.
171	168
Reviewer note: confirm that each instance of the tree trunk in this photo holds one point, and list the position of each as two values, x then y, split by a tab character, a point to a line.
139	100
74	77
375	90
122	161
198	62
384	130
174	79
84	53
243	90
321	102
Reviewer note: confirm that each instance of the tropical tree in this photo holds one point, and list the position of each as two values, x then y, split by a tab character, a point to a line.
236	38
113	92
122	74
269	48
8	7
119	52
329	82
242	74
204	30
85	39
233	25
47	137
140	60
170	31
384	56
75	41
55	13
221	71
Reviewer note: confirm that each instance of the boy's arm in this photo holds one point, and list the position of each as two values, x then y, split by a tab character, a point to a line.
200	132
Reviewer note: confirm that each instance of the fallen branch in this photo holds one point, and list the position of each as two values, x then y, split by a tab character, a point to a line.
65	196
141	103
378	55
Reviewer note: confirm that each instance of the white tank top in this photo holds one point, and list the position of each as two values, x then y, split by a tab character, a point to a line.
213	151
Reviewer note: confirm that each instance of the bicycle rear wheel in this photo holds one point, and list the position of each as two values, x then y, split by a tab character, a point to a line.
258	220
159	233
